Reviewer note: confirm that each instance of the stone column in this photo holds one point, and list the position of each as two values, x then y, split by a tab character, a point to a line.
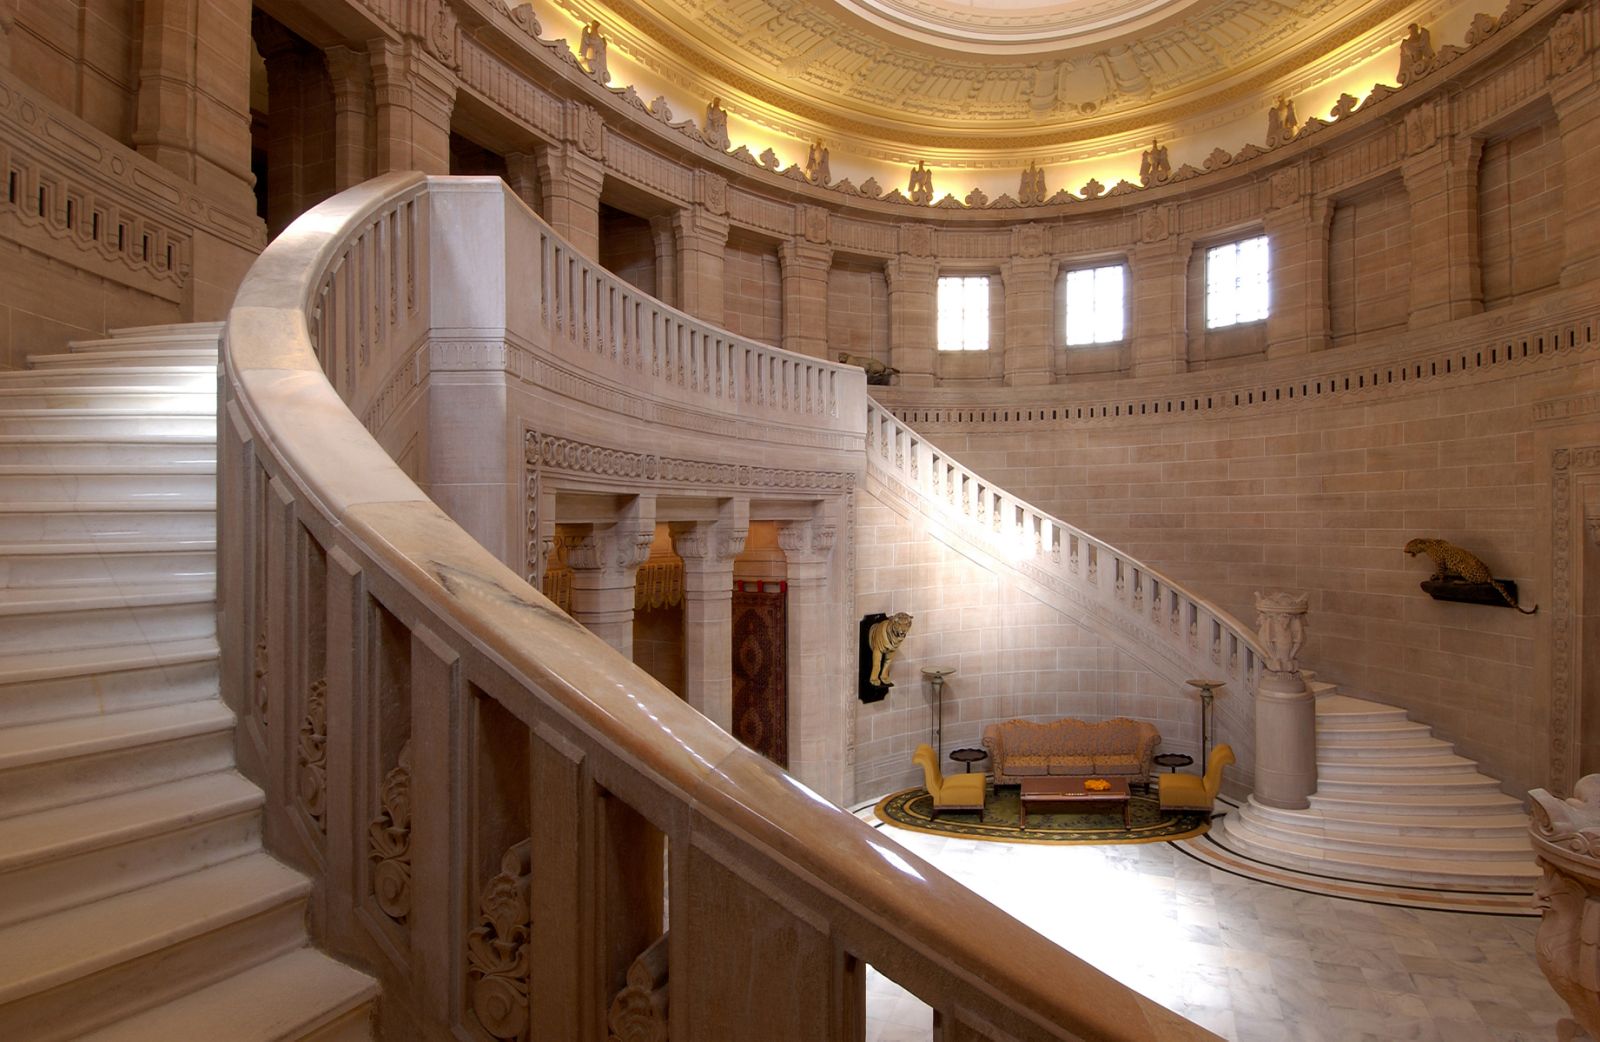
820	694
522	174
1297	233
605	564
1158	288
1576	95
571	181
1030	312
702	238
913	314
1566	841
1441	178
192	116
805	296
1286	710
666	244
415	94
708	549
351	74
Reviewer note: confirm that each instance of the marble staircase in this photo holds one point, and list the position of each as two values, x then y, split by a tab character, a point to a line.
136	902
1394	804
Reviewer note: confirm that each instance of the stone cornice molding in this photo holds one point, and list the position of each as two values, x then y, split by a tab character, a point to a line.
604	467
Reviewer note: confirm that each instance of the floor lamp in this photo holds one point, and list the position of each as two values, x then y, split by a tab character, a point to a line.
1208	692
936	675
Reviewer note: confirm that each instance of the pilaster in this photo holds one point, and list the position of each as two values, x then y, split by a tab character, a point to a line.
1576	95
702	238
570	181
1297	233
605	564
805	296
415	94
819	691
666	245
1441	178
913	312
1158	277
708	549
1029	345
351	74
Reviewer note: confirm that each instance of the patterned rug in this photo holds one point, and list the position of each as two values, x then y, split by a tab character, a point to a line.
911	808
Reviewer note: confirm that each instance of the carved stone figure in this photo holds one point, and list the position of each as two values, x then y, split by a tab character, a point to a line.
885	638
920	188
1566	840
1416	54
817	165
1566	43
1281	625
1344	106
1032	192
1155	168
716	128
1282	123
1453	564
878	373
593	52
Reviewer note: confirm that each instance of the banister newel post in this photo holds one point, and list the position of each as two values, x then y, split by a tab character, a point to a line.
1286	710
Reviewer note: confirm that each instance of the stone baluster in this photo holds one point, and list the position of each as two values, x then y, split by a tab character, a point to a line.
1286	710
1566	840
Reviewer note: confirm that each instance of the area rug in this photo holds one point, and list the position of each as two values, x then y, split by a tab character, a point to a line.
911	809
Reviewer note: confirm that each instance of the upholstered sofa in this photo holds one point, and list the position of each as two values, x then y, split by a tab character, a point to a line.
1119	748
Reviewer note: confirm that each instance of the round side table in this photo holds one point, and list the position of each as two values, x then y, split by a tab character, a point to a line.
1172	761
969	756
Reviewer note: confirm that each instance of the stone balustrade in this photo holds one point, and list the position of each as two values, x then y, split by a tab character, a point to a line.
493	802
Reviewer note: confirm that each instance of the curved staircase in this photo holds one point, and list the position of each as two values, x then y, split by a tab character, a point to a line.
136	901
1394	804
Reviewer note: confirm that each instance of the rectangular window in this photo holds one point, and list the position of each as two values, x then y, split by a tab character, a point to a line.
1236	283
1095	304
963	312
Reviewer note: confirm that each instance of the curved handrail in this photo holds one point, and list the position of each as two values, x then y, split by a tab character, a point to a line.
1157	613
418	628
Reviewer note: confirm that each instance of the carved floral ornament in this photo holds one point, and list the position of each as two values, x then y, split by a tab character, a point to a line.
1126	69
1281	627
497	948
389	841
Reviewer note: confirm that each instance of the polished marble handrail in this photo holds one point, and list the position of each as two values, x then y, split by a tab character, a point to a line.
1152	610
491	800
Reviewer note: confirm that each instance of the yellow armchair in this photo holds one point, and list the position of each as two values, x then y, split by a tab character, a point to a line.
1191	791
957	792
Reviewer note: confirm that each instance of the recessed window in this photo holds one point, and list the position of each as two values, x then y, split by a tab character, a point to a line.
1095	303
1236	283
963	312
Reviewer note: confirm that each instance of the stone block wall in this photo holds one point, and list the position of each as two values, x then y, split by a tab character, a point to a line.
1520	213
1369	263
858	310
753	290
83	57
627	249
1322	497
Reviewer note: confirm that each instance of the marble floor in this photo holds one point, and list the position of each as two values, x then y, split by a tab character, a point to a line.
1251	961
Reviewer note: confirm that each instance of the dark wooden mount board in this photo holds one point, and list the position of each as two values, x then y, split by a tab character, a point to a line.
865	688
1470	593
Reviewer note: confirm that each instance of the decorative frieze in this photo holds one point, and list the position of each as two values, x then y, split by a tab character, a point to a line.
648	469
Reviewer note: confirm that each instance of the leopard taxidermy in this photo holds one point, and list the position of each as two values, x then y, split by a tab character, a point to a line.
884	639
1452	562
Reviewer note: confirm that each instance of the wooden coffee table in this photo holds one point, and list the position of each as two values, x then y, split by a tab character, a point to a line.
1062	793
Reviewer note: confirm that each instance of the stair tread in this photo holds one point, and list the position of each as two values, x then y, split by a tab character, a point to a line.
1455	866
142	469
74	943
112	438
20	667
279	999
109	546
116	506
41	836
1416	799
1443	822
32	744
27	600
1311	827
1387	762
1334	705
99	356
211	329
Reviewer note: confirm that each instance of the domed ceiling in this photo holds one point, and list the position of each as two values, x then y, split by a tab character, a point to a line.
899	79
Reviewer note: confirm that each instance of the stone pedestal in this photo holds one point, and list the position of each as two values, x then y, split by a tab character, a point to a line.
1566	840
1286	710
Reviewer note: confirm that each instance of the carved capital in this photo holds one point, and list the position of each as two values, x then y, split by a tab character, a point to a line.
1281	626
916	240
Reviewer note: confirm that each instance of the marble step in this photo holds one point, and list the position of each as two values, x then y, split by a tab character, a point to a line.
1311	830
71	618
199	378
1406	783
201	334
1373	731
1355	768
48	522
1448	873
303	995
126	356
61	762
41	686
1478	801
99	483
88	422
134	450
94	965
82	852
1339	819
1372	749
100	563
201	399
1340	710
